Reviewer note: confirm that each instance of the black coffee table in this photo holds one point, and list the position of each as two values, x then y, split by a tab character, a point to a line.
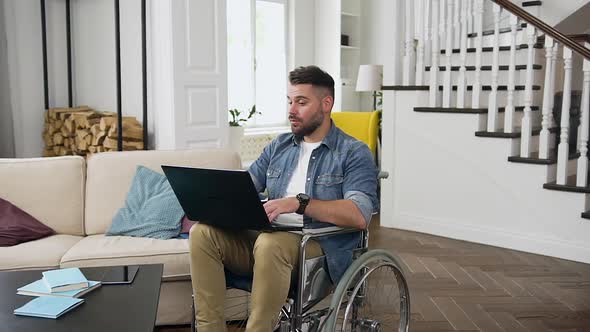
131	307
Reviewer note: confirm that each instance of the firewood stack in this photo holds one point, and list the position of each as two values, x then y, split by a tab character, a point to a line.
82	131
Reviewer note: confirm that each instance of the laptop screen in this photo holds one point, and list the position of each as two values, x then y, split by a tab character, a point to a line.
224	198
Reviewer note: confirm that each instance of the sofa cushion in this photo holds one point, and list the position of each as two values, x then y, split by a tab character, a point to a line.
17	226
109	176
101	250
49	189
151	208
44	253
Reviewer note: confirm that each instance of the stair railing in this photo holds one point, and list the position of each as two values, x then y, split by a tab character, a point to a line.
446	24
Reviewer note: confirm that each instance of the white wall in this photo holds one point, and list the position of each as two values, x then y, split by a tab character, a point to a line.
382	27
554	11
450	183
6	132
93	41
301	30
23	30
94	62
551	11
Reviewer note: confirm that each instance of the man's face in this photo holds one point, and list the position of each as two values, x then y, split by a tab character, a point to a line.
307	109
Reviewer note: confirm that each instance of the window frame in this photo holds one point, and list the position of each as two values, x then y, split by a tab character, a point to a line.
252	127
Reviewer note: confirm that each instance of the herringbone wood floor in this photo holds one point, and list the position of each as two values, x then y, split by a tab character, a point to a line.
462	286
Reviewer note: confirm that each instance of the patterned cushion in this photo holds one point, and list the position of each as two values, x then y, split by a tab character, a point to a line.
151	208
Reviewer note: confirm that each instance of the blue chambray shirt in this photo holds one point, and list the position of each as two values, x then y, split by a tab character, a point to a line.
342	167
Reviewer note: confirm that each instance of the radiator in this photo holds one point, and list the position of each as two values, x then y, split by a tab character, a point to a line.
251	145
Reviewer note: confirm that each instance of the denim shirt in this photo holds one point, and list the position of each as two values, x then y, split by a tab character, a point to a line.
340	168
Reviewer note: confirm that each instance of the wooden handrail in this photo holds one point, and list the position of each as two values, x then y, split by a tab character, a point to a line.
547	29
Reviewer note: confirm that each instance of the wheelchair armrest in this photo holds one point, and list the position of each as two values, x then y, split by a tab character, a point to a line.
331	230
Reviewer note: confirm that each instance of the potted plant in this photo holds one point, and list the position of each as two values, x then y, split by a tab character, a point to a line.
236	130
238	118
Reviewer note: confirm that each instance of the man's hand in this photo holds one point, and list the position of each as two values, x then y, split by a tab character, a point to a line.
278	206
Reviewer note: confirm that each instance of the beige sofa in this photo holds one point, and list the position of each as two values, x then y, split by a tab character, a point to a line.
79	198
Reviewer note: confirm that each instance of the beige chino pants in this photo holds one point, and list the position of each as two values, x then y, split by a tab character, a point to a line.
272	257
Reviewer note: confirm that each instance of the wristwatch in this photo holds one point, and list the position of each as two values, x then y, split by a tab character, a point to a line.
303	201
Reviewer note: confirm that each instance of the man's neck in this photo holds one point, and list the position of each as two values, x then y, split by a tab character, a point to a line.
319	134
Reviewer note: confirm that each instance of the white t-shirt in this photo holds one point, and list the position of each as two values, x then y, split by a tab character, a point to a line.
297	182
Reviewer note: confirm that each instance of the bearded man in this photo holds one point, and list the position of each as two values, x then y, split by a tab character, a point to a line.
316	171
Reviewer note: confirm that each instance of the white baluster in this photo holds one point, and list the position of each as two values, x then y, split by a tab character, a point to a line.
456	24
435	54
563	148
475	103
409	45
470	15
493	97
448	53
582	172
553	69
420	47
463	57
427	34
547	95
527	120
509	110
442	22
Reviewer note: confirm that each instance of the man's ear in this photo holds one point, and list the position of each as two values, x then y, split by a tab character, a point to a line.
328	103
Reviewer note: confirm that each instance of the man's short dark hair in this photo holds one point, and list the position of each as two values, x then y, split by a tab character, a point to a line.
313	75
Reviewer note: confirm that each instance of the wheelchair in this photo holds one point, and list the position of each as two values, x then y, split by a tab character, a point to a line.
372	295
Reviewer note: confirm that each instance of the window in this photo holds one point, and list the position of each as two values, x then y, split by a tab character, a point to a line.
257	59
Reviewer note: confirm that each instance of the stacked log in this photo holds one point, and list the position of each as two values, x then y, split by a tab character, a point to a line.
82	131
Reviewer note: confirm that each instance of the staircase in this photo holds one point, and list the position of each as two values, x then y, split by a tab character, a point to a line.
475	149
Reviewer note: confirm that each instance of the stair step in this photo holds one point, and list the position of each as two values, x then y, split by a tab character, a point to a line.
570	185
467	110
502	30
531	3
534	158
489	87
518	109
491	49
486	68
405	87
515	134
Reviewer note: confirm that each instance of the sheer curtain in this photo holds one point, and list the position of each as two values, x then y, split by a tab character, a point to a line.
6	124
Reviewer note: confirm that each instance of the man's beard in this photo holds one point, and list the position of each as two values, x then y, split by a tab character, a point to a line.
308	129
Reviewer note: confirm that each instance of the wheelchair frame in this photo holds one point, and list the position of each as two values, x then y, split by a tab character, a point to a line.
295	312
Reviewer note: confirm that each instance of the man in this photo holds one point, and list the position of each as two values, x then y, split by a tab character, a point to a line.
318	171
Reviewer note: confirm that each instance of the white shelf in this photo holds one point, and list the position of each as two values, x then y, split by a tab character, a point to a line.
340	18
347	14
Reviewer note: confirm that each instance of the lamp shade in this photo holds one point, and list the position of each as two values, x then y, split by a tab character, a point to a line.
370	78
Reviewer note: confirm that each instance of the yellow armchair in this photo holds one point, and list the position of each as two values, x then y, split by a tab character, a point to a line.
363	126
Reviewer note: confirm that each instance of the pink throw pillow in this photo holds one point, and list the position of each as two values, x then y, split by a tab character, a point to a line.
187	224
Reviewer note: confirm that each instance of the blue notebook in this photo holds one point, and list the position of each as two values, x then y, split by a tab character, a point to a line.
48	306
65	279
39	288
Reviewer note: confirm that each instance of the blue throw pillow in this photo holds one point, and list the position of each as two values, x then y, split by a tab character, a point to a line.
151	208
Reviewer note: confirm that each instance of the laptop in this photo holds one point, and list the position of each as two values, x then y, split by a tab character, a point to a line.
222	198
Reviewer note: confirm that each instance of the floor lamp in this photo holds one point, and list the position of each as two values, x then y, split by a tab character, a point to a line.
370	78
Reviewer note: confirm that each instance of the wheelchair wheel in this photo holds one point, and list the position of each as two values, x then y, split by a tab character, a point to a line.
371	296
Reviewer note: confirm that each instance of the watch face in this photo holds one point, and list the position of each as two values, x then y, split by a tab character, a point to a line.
302	197
303	201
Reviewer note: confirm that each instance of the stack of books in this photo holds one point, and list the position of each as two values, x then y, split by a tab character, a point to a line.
58	292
